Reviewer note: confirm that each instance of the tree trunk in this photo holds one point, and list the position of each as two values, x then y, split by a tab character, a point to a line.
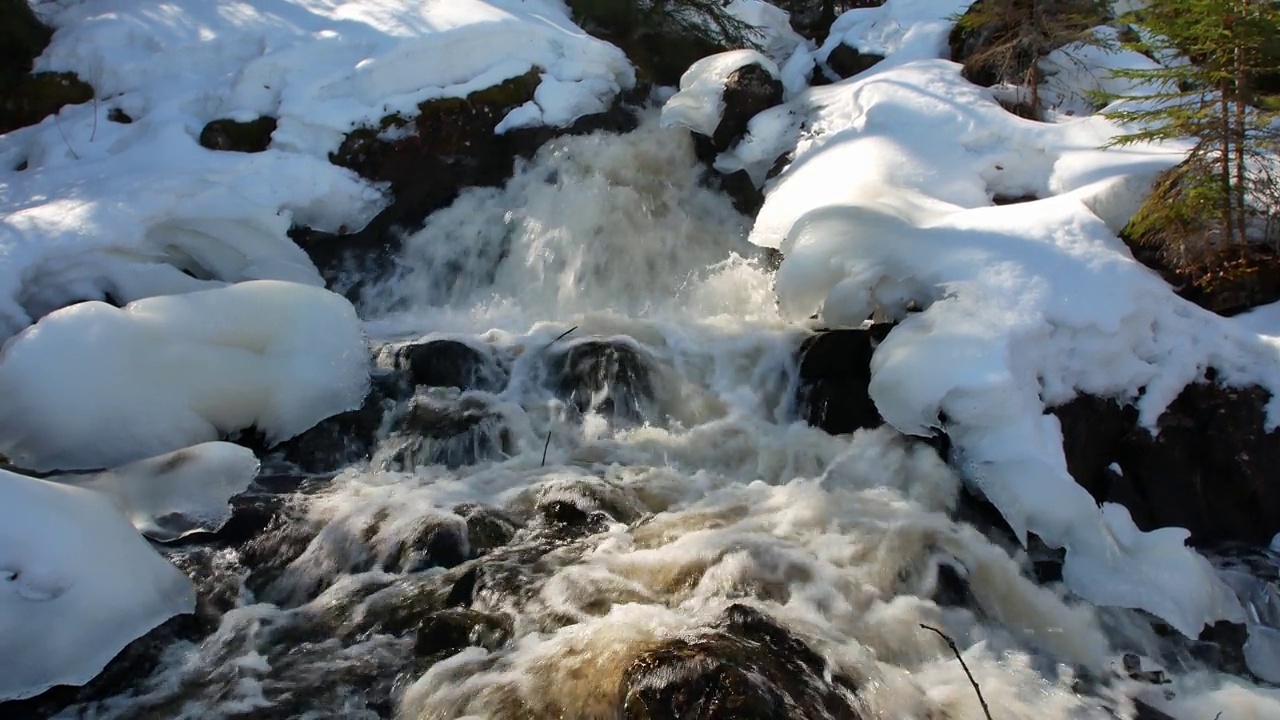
1224	160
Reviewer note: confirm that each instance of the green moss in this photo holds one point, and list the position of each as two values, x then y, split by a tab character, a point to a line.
225	134
28	99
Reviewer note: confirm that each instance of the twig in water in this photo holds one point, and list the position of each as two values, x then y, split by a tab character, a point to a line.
545	445
952	644
560	337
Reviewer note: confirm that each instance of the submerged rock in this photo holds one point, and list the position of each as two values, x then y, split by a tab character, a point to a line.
745	667
1208	469
450	429
610	377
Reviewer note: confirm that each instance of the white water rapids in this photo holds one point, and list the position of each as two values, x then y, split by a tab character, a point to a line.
719	496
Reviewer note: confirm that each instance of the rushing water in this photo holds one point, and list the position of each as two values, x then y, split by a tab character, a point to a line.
633	515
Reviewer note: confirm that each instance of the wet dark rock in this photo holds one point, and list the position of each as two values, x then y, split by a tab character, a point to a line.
447	632
610	377
487	527
746	667
448	429
351	436
953	588
116	115
747	198
427	159
232	136
835	377
269	554
450	363
845	62
1209	468
440	542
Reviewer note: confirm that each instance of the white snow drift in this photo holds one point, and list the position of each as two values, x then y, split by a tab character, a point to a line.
77	583
93	386
126	210
888	204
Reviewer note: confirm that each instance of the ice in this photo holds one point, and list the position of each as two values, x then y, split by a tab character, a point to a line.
700	102
77	583
108	210
93	386
887	212
179	493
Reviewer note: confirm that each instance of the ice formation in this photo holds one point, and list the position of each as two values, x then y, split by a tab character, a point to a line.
93	386
700	102
179	493
77	583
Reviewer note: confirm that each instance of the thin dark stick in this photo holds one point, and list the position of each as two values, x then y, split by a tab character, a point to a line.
544	449
952	644
561	336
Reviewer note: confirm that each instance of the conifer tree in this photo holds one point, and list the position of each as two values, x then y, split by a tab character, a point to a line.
1210	53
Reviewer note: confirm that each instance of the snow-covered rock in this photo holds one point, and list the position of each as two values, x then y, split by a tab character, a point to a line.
700	104
93	386
179	493
77	583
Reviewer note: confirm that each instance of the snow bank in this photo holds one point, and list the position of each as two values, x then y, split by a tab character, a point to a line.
700	102
94	386
888	204
105	208
178	493
77	583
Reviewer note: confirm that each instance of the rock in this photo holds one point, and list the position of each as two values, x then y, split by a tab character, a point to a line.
347	437
745	667
116	115
659	47
426	160
611	377
748	91
450	429
1208	469
835	374
450	363
248	137
845	62
488	528
747	198
440	542
447	632
28	99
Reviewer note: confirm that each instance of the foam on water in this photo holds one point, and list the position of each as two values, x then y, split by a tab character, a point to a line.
719	497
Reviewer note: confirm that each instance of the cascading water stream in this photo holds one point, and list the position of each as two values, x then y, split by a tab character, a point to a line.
676	483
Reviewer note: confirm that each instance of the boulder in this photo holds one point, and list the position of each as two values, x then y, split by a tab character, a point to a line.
248	137
1208	468
748	91
28	99
745	666
845	62
835	374
450	363
347	437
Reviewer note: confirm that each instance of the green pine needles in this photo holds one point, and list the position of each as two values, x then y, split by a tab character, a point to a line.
1211	55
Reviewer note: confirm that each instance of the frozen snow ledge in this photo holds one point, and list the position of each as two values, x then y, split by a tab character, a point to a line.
94	386
77	583
888	203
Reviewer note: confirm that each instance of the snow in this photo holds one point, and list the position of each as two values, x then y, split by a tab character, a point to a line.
179	493
106	209
77	583
887	208
700	102
93	386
